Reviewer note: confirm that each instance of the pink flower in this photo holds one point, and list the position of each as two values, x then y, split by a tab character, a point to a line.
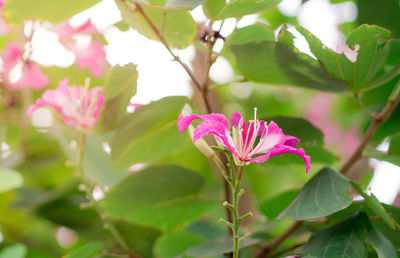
252	141
91	55
79	106
32	76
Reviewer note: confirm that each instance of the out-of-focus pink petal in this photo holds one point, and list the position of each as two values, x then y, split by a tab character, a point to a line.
78	106
136	106
65	30
92	58
11	56
32	77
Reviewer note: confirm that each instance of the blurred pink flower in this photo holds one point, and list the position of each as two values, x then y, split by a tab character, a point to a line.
242	143
4	27
350	54
91	55
319	112
31	76
79	106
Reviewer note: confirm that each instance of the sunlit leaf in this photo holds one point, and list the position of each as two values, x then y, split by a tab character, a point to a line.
9	179
14	251
381	244
275	63
86	251
176	26
119	89
324	194
15	11
163	197
219	9
374	49
148	134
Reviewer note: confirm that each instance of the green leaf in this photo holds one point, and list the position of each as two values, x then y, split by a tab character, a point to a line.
9	179
253	33
186	4
141	239
171	245
324	194
14	251
96	163
16	11
275	63
299	127
272	207
119	89
345	239
163	197
374	45
148	134
381	244
86	251
219	9
380	155
217	246
394	147
176	26
375	205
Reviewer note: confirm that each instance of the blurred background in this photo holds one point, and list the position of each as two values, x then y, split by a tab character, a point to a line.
159	76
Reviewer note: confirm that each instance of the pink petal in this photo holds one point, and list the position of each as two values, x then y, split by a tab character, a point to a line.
93	58
11	56
32	76
269	138
65	30
282	149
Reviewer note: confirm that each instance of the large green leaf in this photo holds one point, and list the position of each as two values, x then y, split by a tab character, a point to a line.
275	63
219	9
324	194
253	33
163	197
15	11
375	205
176	26
374	49
119	89
9	179
148	134
217	246
14	251
345	239
86	251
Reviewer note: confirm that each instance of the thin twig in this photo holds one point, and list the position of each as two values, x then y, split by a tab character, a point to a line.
378	120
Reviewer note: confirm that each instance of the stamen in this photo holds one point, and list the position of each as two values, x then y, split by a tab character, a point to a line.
255	114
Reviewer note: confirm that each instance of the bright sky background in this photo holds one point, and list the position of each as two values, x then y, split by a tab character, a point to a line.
159	76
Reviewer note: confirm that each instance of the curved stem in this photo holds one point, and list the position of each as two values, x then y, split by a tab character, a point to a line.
93	203
236	219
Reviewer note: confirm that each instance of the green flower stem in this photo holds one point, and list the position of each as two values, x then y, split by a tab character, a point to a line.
236	193
93	203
